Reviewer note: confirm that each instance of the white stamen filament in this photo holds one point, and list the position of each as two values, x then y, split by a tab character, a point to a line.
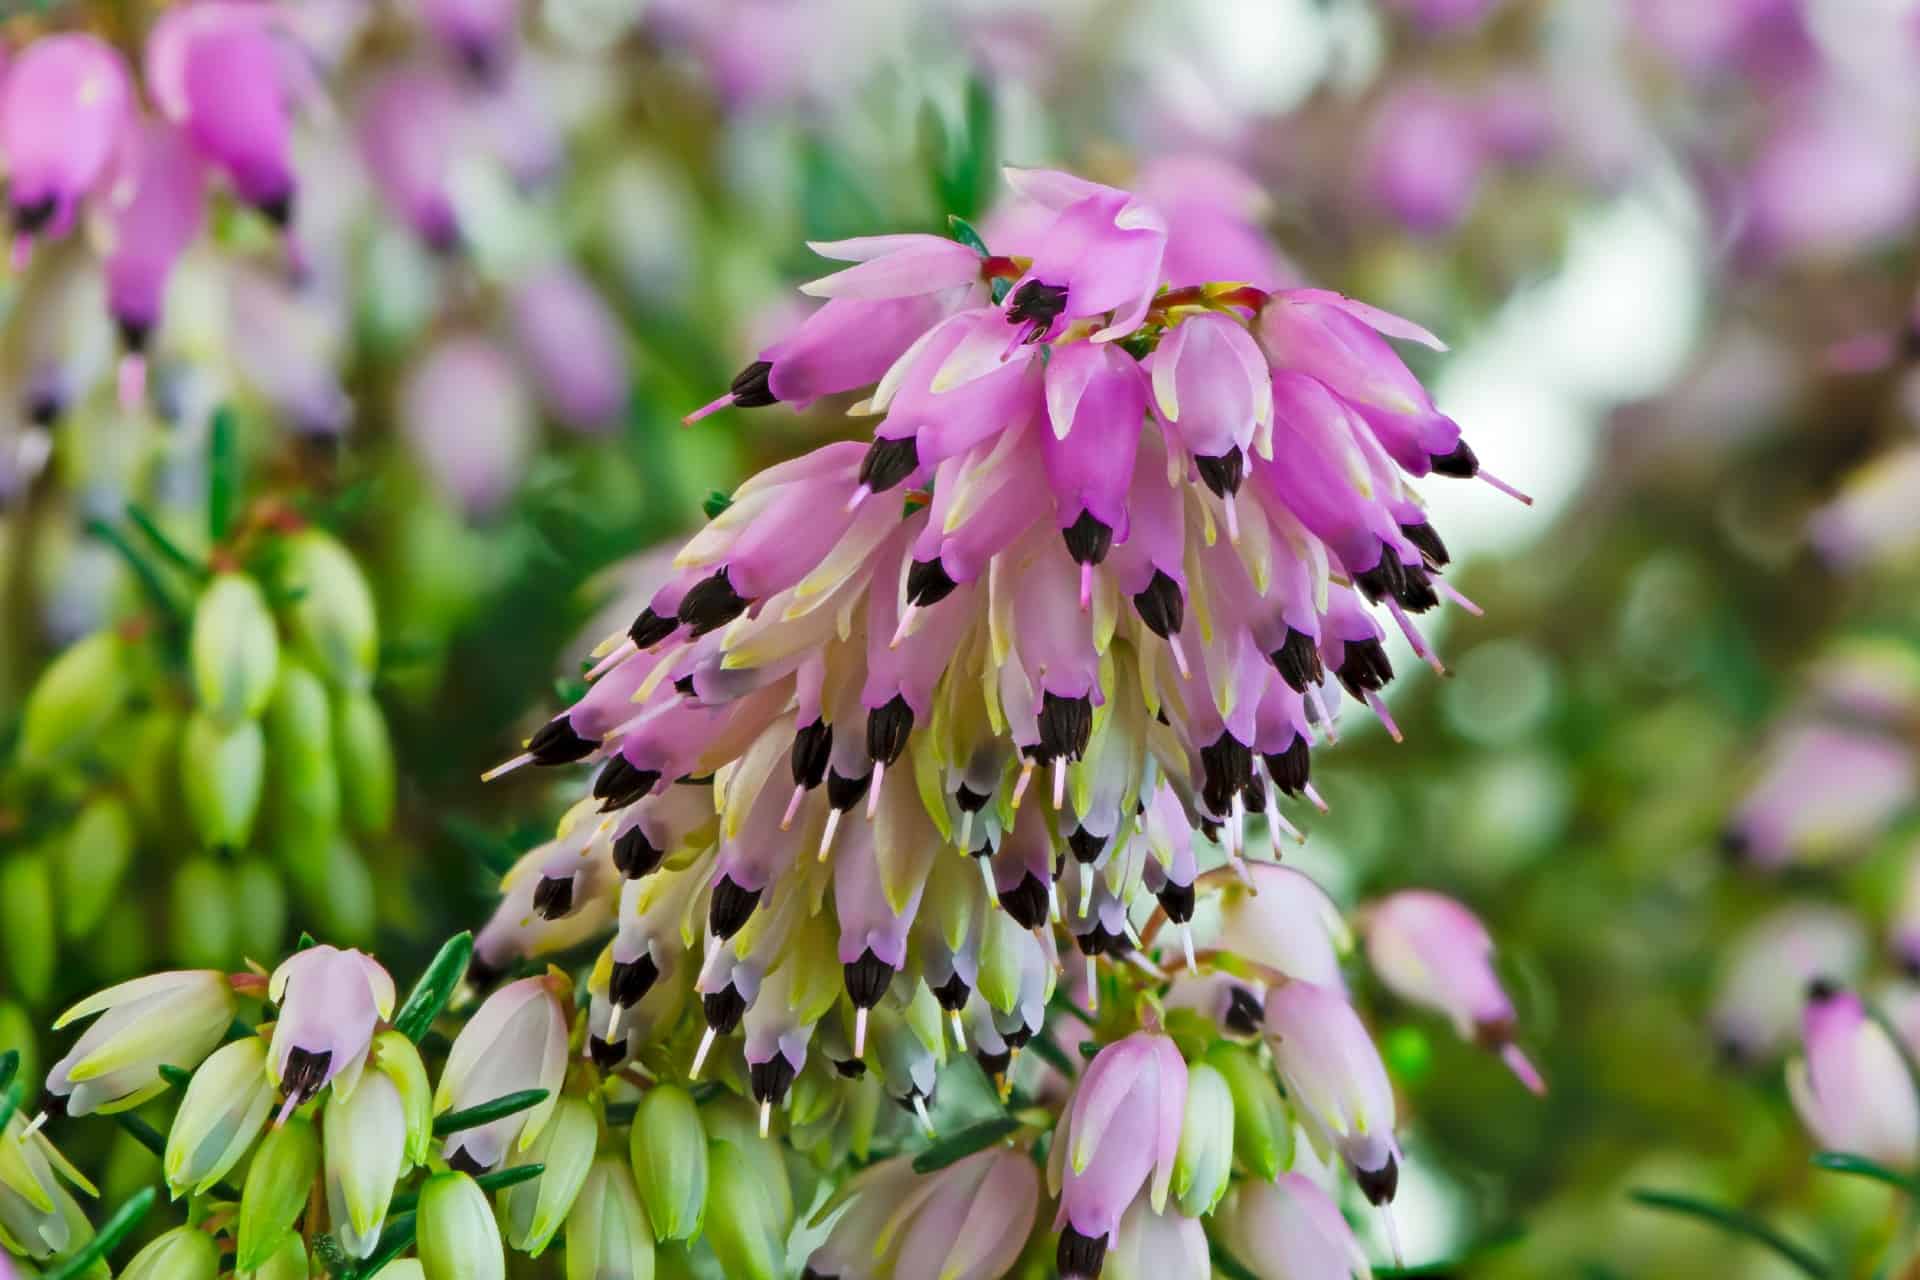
1186	945
1180	657
860	1032
619	655
766	1116
986	878
1093	986
1020	787
1059	781
873	789
793	808
920	1109
966	831
826	837
959	1031
906	624
700	1055
1314	796
499	770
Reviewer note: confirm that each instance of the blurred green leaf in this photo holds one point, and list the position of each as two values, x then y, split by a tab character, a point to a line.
1860	1166
1734	1222
117	1228
223	474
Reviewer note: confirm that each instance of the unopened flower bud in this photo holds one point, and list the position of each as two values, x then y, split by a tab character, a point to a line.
608	1236
669	1152
300	756
74	701
1851	1085
200	919
235	650
289	1262
395	1056
27	924
366	1154
174	1019
1262	1129
740	1224
184	1253
363	757
278	1182
1204	1164
333	623
222	775
458	1237
534	1210
225	1108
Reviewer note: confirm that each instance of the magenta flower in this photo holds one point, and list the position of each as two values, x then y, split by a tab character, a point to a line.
331	1001
1424	159
155	209
1432	951
467	414
1120	1134
66	101
1824	792
1852	1088
1102	253
1290	1229
410	134
1336	1082
480	33
574	347
1765	973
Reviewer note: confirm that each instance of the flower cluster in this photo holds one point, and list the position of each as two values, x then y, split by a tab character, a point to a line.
218	750
1122	533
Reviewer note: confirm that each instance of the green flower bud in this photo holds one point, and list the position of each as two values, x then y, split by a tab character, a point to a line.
276	1190
235	649
669	1152
124	946
225	1108
1002	956
306	787
20	1031
363	755
153	771
1262	1129
608	1236
222	772
1204	1164
534	1210
741	1224
201	922
458	1239
394	1055
337	889
74	702
289	1262
93	857
366	1154
26	925
260	908
333	621
732	1119
184	1253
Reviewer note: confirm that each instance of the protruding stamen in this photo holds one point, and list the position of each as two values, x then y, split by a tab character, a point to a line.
1504	487
860	1032
39	1121
920	1110
965	840
1186	945
986	878
859	496
1086	587
1324	718
711	407
1093	986
1180	657
959	1031
873	792
1522	1067
1386	1221
707	1038
793	808
1053	901
132	381
1020	787
826	837
1379	706
1279	820
766	1116
1314	796
619	654
906	623
1086	891
1233	519
1450	592
1059	781
500	770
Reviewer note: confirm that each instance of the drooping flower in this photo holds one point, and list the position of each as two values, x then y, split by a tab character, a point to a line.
39	1217
227	1104
1336	1081
1434	952
516	1040
1852	1087
1825	790
173	1019
1290	1229
1121	1133
66	101
1766	970
331	1001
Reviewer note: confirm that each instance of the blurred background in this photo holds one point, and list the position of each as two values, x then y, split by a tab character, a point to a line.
1672	244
